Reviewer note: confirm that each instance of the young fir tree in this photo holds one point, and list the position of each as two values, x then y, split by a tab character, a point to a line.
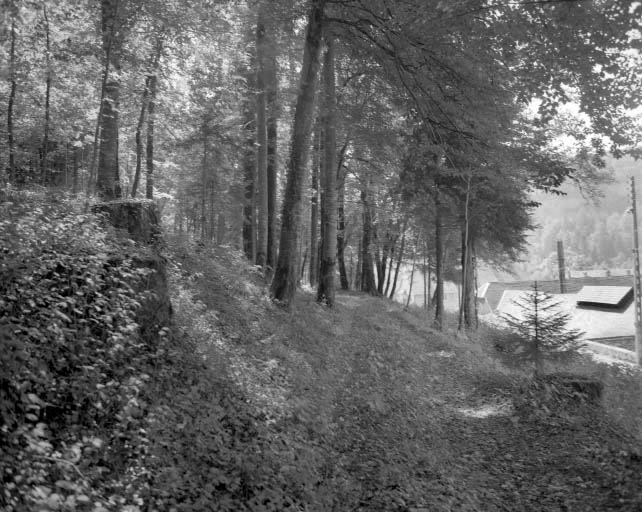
542	330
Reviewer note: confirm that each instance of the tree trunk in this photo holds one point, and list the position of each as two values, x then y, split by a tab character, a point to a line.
139	138
400	257
272	138
151	119
468	286
261	144
204	183
391	261
326	290
285	277
439	254
466	260
341	227
12	97
412	270
367	267
45	139
249	171
107	178
314	209
74	177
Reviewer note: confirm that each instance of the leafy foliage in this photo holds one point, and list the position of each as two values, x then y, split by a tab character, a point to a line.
73	369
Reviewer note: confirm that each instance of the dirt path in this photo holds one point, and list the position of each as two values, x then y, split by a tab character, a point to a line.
467	449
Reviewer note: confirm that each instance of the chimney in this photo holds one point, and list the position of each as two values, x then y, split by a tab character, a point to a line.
561	266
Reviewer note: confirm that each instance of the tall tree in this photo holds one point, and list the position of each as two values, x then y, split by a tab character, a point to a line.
112	28
326	290
285	278
262	138
12	91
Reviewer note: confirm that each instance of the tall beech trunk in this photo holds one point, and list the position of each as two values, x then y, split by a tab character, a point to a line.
107	176
45	138
249	172
12	96
204	168
272	138
314	208
149	156
368	284
139	137
439	254
285	276
341	219
399	258
261	143
326	290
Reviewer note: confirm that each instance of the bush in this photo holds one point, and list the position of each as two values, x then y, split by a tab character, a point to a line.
72	367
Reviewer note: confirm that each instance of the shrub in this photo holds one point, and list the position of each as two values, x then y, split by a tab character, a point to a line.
72	368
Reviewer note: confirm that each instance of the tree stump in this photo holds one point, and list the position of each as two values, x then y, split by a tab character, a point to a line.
577	388
140	221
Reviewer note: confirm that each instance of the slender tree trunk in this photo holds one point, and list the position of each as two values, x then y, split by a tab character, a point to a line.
468	286
439	253
139	138
285	277
357	275
400	257
272	164
107	177
341	228
326	290
12	97
466	292
367	271
391	261
151	118
204	182
74	178
261	143
314	208
412	270
425	270
45	139
249	167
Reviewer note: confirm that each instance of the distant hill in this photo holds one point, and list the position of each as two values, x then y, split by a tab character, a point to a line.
597	232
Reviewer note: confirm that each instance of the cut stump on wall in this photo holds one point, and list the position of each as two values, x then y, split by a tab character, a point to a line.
140	222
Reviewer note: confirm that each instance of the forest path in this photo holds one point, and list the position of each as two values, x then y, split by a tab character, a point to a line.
382	413
457	434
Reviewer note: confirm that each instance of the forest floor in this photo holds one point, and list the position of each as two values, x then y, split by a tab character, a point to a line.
384	413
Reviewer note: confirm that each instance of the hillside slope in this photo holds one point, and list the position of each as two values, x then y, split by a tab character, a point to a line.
366	408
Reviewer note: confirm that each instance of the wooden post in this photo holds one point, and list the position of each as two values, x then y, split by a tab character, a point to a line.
636	279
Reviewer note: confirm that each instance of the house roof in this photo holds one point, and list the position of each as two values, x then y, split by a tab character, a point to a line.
604	296
493	291
594	322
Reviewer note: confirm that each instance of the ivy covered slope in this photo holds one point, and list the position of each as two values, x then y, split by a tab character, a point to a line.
240	405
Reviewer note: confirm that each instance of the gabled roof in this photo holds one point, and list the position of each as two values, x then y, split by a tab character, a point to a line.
605	296
493	291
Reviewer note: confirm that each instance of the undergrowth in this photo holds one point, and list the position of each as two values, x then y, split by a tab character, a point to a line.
73	370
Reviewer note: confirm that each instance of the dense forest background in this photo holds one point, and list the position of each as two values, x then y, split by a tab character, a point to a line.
336	140
595	226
